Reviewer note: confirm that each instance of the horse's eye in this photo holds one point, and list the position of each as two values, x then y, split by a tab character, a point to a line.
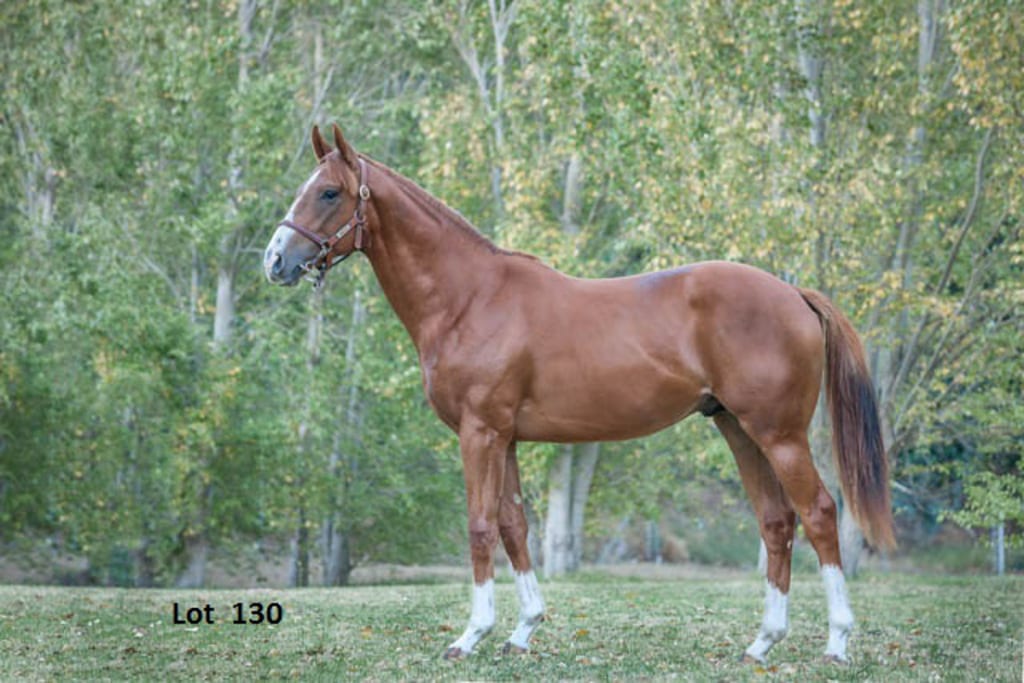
329	195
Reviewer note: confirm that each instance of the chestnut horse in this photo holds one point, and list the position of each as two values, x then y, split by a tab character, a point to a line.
512	350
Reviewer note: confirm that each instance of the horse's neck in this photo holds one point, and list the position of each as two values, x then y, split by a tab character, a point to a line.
428	267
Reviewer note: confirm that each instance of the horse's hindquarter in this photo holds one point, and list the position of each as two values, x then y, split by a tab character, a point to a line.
609	359
760	345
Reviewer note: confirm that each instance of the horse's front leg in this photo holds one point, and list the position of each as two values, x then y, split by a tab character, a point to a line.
483	461
513	527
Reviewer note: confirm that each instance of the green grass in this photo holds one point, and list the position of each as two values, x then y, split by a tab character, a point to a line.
909	628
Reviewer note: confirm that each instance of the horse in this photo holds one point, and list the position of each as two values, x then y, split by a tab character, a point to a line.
511	350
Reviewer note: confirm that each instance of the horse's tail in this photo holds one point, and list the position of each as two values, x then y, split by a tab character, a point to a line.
856	430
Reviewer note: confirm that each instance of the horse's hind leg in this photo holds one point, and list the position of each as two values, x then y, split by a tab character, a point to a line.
513	527
776	519
790	459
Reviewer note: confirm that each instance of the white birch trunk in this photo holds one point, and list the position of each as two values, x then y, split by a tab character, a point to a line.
584	465
335	534
197	547
557	531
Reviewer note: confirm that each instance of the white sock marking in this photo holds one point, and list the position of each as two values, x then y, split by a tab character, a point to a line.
774	625
531	609
481	617
840	617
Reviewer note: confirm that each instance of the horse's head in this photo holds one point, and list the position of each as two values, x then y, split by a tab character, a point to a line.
326	222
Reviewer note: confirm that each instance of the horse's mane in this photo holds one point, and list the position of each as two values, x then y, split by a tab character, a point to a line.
455	218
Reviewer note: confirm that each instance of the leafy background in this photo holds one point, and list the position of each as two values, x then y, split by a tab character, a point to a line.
159	404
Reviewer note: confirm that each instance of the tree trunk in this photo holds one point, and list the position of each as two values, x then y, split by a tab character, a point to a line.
39	180
999	547
298	570
615	548
534	539
571	197
584	465
145	566
224	316
851	542
336	533
490	86
568	489
652	541
337	555
197	549
557	531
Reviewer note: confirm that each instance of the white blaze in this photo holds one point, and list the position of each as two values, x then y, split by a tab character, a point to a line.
283	232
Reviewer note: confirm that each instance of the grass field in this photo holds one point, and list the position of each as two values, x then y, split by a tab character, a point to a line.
909	628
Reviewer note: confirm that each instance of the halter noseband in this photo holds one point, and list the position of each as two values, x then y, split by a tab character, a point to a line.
323	262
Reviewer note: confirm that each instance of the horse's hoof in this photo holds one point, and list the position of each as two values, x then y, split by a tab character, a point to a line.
509	649
836	660
749	659
454	654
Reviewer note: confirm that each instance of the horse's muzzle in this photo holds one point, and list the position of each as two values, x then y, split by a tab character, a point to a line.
278	270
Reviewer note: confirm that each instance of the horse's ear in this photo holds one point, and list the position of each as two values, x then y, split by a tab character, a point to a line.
348	155
320	146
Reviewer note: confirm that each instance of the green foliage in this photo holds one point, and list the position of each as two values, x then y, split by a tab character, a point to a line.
149	149
992	499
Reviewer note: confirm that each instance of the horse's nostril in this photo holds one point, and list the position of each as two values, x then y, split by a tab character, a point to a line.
276	263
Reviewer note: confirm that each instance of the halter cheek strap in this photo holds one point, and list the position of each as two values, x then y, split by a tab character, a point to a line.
323	262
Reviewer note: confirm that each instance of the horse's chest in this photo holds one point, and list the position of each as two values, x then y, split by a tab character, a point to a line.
456	383
440	392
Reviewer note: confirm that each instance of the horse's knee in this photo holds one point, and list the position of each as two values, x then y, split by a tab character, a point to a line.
777	531
483	535
820	518
512	532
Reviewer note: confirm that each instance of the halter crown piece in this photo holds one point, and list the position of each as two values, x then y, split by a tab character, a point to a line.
317	267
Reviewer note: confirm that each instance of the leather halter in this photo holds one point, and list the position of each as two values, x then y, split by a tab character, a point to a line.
323	261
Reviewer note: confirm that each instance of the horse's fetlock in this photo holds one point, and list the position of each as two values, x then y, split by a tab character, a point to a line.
841	621
531	619
774	632
483	626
